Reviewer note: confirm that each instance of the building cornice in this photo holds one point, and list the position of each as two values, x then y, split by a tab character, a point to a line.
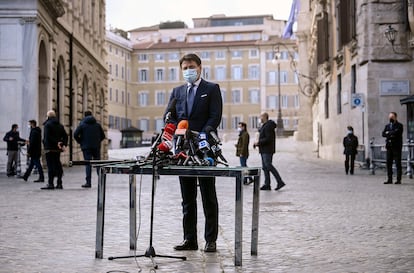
54	7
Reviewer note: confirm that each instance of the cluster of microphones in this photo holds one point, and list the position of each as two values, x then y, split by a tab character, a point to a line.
177	145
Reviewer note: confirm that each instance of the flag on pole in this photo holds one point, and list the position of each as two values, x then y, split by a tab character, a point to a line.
288	31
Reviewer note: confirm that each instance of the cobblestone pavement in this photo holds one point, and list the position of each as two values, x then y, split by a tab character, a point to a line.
322	221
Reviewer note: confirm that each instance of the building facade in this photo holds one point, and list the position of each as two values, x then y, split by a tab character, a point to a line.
357	75
237	52
52	57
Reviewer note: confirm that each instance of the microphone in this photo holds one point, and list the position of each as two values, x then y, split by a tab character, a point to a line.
168	131
181	131
165	146
212	133
171	111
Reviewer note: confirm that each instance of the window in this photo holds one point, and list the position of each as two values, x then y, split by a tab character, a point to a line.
159	57
110	69
160	98
143	57
223	123
254	122
116	95
346	21
237	72
237	37
220	73
270	55
111	122
223	95
206	73
253	53
116	70
122	97
220	54
272	102
235	122
339	94
117	123
296	101
159	123
128	98
197	38
283	77
236	96
173	74
285	101
143	75
323	39
110	48
143	99
271	78
122	72
253	72
159	74
255	36
173	57
110	94
219	38
143	124
236	54
254	96
205	55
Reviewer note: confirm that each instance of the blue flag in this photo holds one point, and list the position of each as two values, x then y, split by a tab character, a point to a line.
288	31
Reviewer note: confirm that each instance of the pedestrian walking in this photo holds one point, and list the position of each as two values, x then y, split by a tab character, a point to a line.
242	148
13	140
267	147
393	132
34	151
200	103
55	140
89	134
350	143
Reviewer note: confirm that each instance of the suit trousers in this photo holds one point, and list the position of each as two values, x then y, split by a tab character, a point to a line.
394	155
89	154
349	163
189	205
12	162
54	167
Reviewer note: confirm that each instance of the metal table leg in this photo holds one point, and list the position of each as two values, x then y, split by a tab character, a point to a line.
255	216
132	211
100	214
238	240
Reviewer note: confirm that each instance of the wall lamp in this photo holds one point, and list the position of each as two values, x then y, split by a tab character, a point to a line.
390	33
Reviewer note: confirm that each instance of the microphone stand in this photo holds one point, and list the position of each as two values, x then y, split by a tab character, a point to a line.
150	252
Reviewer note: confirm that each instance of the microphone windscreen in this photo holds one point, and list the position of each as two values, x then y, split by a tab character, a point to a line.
183	124
180	132
165	146
170	128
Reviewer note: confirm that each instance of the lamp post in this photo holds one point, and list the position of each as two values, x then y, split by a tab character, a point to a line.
276	60
391	33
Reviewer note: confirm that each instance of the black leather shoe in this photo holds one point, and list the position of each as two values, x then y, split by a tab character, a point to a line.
210	247
398	182
265	188
59	187
187	245
388	182
280	185
48	187
39	180
86	185
24	178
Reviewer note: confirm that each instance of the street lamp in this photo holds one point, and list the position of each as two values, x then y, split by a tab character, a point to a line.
276	60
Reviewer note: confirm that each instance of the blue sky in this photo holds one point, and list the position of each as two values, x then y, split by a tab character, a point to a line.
130	14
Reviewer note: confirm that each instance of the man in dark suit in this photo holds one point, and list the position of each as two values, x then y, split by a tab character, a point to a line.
199	102
393	143
34	151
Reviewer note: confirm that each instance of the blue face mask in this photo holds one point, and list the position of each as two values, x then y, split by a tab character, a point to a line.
190	75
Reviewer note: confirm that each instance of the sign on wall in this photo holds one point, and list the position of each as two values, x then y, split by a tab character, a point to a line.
394	87
357	99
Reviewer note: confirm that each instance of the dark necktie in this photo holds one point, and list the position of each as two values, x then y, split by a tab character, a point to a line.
190	98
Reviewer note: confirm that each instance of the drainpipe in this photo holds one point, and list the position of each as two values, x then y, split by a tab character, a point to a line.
70	96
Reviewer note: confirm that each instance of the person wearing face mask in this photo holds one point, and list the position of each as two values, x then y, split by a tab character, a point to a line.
393	132
34	150
200	103
350	143
242	148
12	138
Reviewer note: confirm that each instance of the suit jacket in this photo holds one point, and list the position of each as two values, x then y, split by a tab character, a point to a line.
207	107
350	143
393	136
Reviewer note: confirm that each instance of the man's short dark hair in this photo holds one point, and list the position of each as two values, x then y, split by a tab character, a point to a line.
88	113
243	124
395	114
190	57
33	122
14	126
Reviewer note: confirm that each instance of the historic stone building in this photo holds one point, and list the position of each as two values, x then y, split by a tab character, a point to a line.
237	52
52	57
357	74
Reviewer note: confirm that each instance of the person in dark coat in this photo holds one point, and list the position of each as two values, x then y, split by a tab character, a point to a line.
242	148
12	138
55	140
350	143
89	134
393	132
267	147
34	151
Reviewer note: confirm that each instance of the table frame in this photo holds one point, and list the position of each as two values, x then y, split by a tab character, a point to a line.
132	170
